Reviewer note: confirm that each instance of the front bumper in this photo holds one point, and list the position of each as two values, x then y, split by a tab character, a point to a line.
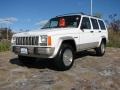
39	52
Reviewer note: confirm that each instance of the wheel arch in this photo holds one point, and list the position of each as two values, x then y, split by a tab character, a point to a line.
70	42
103	39
65	40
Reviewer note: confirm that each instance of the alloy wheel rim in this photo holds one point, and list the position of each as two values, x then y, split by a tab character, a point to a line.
102	48
67	57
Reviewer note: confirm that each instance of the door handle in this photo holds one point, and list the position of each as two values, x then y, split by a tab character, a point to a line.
91	31
75	37
99	31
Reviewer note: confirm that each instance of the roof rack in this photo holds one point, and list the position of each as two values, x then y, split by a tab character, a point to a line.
96	16
81	13
71	14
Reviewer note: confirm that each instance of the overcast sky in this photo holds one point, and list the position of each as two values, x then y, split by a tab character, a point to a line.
31	14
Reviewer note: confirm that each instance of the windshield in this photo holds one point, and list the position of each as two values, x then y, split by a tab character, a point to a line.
63	22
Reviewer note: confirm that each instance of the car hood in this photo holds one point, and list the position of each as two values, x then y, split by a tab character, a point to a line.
56	31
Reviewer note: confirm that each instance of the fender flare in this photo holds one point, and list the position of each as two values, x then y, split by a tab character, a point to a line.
61	40
102	37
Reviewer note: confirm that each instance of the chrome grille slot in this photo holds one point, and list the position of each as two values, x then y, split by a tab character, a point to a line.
32	39
27	40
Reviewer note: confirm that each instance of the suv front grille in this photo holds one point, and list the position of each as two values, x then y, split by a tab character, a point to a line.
27	40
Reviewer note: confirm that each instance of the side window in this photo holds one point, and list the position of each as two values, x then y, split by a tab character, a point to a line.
102	25
94	23
85	23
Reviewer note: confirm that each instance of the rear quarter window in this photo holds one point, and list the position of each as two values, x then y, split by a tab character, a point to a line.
94	23
102	25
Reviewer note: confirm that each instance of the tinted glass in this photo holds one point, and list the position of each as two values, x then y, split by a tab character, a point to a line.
86	23
102	25
64	22
94	23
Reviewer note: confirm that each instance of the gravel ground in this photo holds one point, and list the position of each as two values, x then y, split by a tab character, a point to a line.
89	72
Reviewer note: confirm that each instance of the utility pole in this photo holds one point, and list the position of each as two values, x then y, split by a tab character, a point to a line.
7	33
7	29
91	7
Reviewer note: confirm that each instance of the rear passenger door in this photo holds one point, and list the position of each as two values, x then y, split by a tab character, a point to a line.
96	29
103	31
86	34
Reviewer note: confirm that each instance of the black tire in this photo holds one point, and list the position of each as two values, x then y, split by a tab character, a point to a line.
25	59
61	63
100	51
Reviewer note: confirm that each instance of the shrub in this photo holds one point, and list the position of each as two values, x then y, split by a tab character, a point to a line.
114	39
4	45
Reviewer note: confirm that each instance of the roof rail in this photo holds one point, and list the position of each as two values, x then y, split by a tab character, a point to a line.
96	16
78	14
71	14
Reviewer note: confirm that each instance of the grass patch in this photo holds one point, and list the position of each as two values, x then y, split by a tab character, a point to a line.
114	39
4	45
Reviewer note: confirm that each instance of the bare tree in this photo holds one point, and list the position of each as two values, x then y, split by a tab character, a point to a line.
114	23
97	14
4	32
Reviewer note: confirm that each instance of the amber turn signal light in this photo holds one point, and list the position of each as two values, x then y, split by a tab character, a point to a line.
49	41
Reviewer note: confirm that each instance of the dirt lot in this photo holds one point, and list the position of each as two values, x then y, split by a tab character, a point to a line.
89	72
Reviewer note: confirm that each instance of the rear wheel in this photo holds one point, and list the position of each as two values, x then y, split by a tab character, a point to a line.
100	51
65	58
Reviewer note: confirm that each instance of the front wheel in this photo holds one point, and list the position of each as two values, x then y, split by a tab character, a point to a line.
65	58
100	51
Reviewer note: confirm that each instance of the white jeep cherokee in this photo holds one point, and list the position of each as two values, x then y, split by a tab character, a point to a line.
61	38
